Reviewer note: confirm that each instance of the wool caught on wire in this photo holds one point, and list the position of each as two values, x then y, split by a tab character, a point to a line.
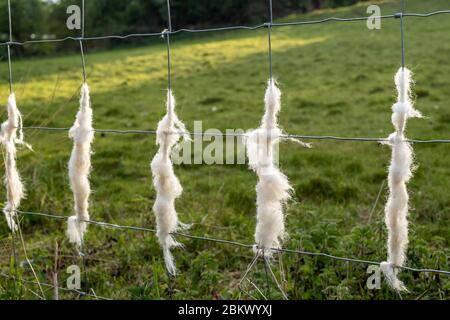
167	185
82	134
273	189
11	134
400	172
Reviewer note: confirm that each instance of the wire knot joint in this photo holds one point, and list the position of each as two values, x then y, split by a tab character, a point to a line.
164	33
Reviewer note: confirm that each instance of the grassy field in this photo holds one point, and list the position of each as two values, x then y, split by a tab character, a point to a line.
336	79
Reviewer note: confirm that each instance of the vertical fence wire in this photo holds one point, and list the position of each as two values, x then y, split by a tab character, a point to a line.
269	38
402	32
9	48
167	34
83	61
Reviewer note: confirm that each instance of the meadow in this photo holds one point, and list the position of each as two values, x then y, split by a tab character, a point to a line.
336	79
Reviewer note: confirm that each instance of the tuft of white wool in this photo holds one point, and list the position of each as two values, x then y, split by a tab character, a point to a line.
168	188
76	230
11	134
82	134
400	172
273	189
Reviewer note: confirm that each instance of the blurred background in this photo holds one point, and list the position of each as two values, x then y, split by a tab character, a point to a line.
45	19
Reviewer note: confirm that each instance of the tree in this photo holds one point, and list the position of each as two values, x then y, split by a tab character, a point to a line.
47	18
28	21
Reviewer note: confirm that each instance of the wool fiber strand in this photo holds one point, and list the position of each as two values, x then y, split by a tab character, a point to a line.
166	183
400	172
82	134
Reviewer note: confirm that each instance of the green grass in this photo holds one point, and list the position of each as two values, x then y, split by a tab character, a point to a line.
336	79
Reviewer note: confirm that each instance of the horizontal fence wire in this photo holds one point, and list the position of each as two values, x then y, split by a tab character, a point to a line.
229	242
234	134
264	25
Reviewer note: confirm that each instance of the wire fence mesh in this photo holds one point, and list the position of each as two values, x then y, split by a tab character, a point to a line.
4	246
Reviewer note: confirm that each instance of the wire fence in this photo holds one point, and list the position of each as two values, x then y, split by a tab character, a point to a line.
166	34
227	242
234	134
248	246
230	28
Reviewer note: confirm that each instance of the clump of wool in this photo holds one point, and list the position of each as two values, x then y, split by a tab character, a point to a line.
168	188
273	189
11	135
82	134
400	172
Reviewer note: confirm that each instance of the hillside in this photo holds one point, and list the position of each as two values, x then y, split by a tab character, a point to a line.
336	79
